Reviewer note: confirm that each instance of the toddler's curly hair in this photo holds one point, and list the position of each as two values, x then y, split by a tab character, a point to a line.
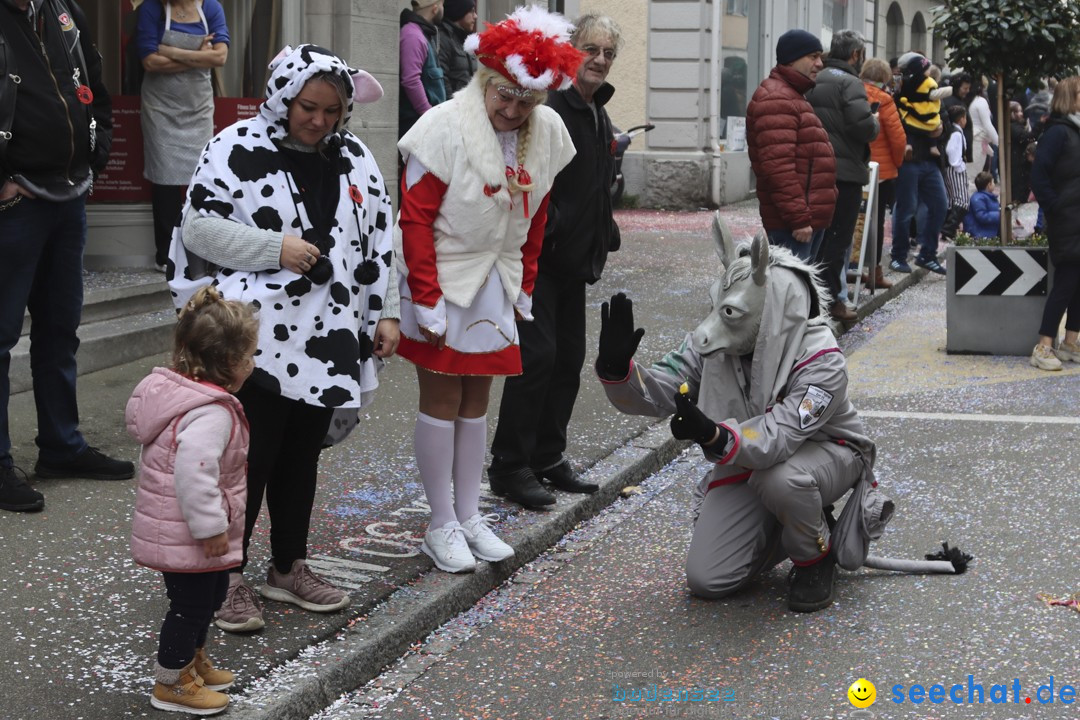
212	336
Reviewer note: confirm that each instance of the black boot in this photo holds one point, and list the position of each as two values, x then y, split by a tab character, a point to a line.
813	587
562	477
520	486
16	494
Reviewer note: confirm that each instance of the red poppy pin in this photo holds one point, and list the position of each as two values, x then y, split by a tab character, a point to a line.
356	195
614	147
490	190
85	95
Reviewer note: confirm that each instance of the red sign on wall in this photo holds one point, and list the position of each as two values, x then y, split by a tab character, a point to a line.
123	181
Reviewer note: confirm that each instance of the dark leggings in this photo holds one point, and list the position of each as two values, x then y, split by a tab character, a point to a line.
1064	296
193	599
283	462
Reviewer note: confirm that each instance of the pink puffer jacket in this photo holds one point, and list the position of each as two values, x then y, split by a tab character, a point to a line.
180	504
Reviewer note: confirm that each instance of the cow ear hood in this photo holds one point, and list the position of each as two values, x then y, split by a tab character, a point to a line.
291	70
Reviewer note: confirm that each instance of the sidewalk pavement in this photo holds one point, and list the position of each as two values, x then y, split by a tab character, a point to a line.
78	621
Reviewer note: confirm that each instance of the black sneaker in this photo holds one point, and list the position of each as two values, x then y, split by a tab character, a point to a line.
813	587
899	266
16	494
932	265
91	463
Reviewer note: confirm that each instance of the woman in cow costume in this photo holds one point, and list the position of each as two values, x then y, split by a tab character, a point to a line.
474	199
787	441
288	211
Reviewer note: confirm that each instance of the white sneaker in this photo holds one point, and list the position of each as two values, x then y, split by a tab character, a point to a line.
447	547
1043	358
1068	351
482	541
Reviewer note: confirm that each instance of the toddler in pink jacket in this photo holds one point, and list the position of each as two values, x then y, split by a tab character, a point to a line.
189	508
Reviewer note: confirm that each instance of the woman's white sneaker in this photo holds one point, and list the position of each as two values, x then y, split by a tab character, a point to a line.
1043	358
448	548
482	541
1067	351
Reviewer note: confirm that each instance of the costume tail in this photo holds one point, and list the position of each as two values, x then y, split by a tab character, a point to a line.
949	560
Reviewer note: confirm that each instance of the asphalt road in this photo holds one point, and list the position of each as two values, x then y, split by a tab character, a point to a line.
79	621
977	451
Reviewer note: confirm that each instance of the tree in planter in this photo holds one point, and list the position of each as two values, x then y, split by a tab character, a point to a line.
1018	40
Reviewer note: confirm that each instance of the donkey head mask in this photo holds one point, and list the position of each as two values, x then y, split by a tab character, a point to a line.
740	294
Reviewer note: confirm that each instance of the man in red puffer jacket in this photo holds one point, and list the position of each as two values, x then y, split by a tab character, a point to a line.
790	151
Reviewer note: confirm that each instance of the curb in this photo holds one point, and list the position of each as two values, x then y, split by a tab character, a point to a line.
321	673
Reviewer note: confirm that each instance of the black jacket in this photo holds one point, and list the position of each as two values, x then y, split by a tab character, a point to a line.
839	99
1055	179
458	66
50	144
580	229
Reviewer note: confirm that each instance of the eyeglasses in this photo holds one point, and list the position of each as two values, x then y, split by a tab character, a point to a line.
593	51
524	99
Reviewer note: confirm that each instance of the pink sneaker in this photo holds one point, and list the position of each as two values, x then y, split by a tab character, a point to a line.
304	588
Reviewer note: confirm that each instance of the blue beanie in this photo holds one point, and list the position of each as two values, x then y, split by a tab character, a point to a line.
795	44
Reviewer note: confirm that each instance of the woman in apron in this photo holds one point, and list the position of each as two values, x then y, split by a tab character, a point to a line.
179	42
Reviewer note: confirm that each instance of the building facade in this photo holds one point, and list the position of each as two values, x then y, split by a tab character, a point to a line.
664	75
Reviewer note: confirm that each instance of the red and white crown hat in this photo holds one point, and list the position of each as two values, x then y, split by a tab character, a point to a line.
531	48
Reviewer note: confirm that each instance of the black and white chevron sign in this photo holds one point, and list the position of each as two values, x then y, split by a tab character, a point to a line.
993	271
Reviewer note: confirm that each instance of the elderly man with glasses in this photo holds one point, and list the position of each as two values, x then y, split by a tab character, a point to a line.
537	405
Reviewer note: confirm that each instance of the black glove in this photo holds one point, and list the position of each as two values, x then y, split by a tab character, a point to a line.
618	338
689	423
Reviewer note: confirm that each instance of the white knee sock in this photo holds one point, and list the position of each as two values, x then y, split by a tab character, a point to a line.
434	443
470	445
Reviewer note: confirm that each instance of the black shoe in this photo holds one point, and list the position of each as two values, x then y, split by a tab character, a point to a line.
562	477
813	587
932	265
15	494
91	463
522	487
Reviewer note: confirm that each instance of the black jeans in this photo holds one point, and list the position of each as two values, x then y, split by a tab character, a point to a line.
1064	296
193	599
166	201
536	405
283	462
838	237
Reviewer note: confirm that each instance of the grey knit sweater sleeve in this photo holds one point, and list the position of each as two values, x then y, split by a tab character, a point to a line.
231	244
392	301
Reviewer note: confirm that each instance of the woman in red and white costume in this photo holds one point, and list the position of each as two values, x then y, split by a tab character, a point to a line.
474	198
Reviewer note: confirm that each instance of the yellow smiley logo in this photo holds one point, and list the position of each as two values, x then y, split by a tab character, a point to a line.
862	693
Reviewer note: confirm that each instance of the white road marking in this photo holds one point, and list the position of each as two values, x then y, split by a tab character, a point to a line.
971	417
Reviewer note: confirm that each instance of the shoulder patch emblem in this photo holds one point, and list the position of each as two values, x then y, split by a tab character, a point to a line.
813	404
66	23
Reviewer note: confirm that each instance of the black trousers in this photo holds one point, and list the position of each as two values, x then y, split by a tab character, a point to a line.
166	201
193	600
839	235
885	200
283	462
536	405
1064	297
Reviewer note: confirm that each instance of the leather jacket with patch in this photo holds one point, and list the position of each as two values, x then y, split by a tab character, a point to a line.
53	134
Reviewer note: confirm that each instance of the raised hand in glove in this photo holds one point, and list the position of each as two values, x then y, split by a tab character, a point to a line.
618	338
689	423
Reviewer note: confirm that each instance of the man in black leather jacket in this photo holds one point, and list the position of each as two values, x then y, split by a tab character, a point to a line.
536	405
55	134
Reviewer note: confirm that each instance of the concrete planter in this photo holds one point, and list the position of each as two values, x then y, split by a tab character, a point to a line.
995	299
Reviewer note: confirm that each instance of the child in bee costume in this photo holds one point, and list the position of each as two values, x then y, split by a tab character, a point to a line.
764	391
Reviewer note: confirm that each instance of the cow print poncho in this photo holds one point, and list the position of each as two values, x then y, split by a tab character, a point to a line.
315	341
